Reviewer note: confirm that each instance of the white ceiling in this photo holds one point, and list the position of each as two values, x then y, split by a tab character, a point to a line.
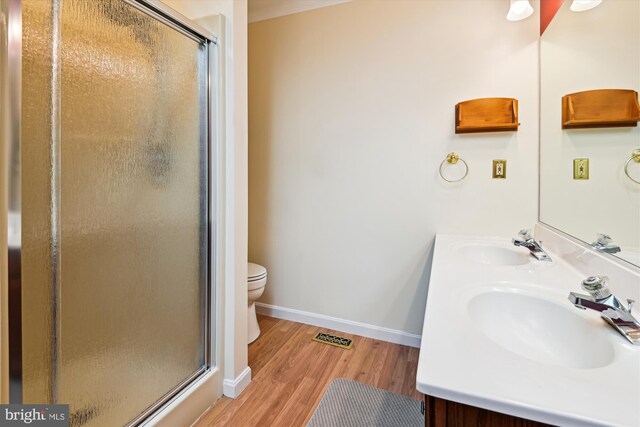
259	10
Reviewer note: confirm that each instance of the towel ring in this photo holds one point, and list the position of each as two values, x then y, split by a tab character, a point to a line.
452	159
635	156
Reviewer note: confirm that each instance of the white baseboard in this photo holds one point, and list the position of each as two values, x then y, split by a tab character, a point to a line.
348	326
233	388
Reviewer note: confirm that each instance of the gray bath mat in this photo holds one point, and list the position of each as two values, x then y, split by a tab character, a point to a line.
349	403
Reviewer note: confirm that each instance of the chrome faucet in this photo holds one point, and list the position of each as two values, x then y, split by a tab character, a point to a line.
525	240
605	244
611	309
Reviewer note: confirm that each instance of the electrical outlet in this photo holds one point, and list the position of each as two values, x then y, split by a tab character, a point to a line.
580	168
499	169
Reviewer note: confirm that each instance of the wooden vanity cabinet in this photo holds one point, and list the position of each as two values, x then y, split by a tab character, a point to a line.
445	413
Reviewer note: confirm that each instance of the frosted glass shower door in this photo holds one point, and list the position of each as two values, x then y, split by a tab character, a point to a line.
114	201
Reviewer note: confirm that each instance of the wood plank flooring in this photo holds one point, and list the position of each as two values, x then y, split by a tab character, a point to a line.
290	374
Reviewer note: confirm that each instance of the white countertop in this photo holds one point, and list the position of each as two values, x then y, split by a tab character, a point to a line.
576	371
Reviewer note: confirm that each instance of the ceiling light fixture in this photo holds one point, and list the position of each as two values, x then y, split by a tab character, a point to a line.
582	5
519	9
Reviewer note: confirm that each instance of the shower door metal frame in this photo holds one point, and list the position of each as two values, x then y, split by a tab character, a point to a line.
10	191
10	203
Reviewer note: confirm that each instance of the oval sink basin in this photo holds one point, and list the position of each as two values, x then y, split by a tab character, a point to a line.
540	330
494	255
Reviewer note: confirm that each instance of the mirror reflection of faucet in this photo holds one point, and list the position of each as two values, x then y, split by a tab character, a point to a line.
525	240
612	310
605	244
15	230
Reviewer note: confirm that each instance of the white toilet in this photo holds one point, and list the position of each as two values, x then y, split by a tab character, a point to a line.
256	281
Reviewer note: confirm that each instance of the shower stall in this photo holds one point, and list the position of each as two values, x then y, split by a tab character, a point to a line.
105	175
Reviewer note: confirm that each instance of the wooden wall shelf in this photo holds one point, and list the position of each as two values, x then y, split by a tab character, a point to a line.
487	115
600	108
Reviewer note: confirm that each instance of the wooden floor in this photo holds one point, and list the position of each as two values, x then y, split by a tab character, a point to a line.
290	374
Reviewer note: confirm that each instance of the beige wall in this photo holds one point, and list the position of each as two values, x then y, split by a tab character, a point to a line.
351	111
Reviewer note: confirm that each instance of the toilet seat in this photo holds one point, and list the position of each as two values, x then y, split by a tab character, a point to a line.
256	284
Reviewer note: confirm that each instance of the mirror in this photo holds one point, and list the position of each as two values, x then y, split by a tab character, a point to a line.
583	51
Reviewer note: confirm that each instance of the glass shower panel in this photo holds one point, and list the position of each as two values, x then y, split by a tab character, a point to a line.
119	306
37	245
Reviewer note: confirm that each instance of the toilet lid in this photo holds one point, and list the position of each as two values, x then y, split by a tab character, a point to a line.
255	272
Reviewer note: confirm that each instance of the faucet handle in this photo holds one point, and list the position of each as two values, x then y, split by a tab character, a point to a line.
603	239
630	304
525	234
597	286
